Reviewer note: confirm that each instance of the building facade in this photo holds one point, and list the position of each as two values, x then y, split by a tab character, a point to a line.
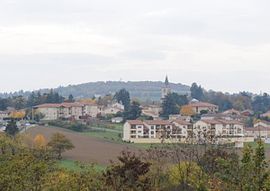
179	130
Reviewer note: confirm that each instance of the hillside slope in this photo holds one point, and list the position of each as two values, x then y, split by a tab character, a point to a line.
143	90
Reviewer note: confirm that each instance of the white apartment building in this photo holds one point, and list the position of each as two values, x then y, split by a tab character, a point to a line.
76	110
60	111
219	128
154	130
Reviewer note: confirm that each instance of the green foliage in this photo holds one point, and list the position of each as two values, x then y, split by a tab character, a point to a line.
74	126
261	104
248	174
197	92
59	144
12	128
133	112
172	104
129	174
123	97
187	176
70	98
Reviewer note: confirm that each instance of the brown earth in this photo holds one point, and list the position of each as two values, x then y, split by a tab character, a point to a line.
87	149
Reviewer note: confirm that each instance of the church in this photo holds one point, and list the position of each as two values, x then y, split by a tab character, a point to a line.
166	90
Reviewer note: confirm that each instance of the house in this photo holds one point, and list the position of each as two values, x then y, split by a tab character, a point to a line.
225	116
55	111
156	131
111	109
181	129
262	123
117	120
258	132
200	107
152	111
267	114
219	128
90	109
232	112
49	111
4	115
149	129
247	113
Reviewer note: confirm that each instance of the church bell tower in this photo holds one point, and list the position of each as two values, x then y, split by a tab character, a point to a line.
166	90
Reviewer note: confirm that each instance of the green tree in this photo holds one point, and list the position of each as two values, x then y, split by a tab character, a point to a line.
123	97
172	104
12	128
129	174
71	98
59	144
260	166
261	104
133	112
197	92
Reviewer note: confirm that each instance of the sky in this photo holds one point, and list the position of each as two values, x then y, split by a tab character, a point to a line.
223	45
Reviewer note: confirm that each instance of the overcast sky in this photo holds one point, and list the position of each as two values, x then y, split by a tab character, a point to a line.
220	44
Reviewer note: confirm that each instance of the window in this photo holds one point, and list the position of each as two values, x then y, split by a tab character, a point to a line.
152	132
152	127
133	136
139	131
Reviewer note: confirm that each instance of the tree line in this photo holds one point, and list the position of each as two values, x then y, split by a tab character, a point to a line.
34	165
35	98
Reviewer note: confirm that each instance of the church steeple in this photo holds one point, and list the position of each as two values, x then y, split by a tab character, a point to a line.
165	90
166	81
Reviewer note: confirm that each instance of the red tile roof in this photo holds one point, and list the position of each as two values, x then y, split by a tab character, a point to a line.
157	122
202	104
57	105
211	121
181	122
135	122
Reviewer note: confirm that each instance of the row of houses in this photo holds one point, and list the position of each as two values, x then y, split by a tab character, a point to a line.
76	110
157	130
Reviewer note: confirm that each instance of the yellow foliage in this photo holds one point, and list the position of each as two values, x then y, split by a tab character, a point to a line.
187	110
188	173
17	114
40	141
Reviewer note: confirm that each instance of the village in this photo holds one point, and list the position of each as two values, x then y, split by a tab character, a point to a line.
197	122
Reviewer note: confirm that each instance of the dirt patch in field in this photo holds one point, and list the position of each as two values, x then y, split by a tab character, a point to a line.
87	149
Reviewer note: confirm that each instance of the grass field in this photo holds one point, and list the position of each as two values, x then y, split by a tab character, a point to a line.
106	135
89	147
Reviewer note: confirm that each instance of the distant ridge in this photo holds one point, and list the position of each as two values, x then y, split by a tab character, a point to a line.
143	90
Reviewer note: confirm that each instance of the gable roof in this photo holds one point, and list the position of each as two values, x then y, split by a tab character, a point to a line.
181	122
202	104
157	122
57	105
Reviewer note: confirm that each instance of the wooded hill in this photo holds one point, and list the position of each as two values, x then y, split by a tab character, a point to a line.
143	90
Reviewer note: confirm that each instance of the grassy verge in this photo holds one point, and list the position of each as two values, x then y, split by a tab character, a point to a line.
105	135
75	166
